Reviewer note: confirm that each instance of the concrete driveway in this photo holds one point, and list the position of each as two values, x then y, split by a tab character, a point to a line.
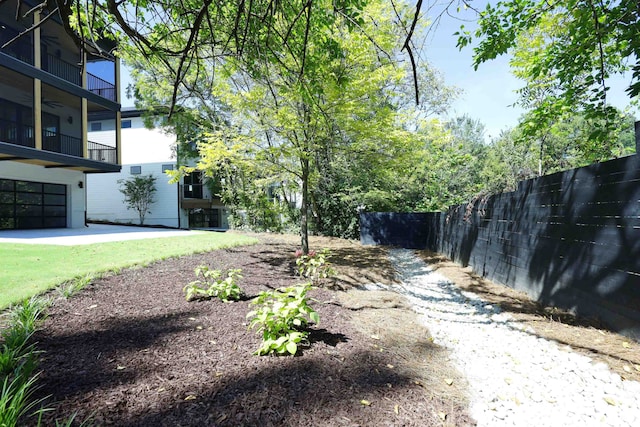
94	233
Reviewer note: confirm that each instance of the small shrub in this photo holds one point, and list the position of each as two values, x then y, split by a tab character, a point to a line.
212	285
282	315
314	265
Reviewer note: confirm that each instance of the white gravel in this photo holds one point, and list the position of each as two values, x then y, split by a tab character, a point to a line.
515	377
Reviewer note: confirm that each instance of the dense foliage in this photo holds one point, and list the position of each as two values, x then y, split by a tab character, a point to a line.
302	113
565	51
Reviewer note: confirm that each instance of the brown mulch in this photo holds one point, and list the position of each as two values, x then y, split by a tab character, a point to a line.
129	350
583	335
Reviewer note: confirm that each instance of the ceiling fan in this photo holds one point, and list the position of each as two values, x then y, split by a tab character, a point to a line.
51	103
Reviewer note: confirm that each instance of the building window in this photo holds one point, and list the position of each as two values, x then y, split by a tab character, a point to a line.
96	126
167	168
135	170
193	186
204	218
126	124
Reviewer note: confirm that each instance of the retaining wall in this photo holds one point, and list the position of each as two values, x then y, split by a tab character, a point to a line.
571	239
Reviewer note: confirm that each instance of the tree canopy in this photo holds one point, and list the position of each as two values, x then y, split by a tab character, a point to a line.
188	35
566	51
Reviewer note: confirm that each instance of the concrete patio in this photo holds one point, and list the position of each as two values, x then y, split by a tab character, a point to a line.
94	233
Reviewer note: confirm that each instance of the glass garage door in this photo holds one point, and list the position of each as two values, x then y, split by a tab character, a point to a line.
26	204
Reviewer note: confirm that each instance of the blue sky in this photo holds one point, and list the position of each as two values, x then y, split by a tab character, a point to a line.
488	94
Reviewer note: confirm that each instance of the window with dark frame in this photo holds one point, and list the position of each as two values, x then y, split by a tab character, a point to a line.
193	186
29	205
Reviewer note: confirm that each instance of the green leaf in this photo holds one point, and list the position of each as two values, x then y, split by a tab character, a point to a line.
292	347
315	317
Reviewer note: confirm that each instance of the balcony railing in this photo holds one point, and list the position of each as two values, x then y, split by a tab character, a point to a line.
102	153
22	49
19	49
15	133
72	74
62	69
60	143
101	87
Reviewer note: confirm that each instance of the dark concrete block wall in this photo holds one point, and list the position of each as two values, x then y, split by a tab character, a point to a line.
571	239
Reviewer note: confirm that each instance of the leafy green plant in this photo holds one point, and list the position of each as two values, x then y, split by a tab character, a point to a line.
16	399
282	316
72	287
213	285
29	314
314	265
139	194
69	422
18	361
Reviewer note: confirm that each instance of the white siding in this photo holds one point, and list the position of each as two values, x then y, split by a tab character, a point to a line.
71	178
149	149
105	201
139	144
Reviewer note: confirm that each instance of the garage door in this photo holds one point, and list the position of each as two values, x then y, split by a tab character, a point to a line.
27	204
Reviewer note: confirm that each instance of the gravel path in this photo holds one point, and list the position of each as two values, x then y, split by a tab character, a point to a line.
515	377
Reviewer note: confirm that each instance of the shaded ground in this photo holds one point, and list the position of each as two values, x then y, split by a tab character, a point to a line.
586	336
130	351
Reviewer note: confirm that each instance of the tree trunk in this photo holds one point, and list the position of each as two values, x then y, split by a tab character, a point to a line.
304	220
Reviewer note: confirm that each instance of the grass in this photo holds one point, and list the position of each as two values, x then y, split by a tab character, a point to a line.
28	270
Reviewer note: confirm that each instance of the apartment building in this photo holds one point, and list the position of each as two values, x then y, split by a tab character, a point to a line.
48	89
190	203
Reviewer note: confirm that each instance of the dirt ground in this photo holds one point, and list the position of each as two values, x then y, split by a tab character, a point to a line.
129	350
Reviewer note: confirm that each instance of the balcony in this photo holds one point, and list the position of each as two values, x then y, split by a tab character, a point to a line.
102	153
22	49
17	134
13	133
73	74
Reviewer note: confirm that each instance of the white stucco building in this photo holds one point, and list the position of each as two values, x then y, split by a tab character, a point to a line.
188	204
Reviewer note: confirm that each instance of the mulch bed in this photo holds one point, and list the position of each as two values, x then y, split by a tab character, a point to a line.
131	351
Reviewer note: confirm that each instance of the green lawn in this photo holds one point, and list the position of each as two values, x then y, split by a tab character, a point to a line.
27	270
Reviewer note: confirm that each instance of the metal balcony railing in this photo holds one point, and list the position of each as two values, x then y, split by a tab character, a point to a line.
101	87
15	133
102	153
22	49
62	69
19	49
60	143
72	74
